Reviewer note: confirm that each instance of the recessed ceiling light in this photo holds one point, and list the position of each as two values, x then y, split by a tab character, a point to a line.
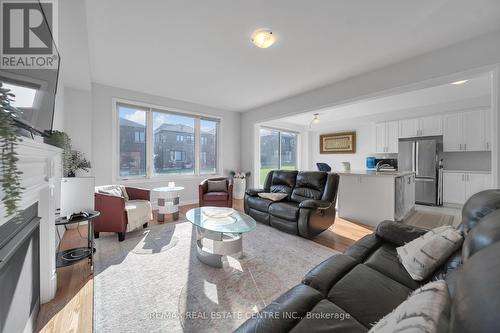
459	82
263	38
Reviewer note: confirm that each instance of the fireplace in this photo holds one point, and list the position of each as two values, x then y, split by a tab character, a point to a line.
20	271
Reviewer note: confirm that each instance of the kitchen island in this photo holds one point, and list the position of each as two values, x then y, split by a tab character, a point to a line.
369	197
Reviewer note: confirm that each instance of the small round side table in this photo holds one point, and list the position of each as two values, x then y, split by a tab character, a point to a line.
72	256
168	201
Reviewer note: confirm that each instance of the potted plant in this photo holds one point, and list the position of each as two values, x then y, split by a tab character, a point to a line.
77	193
11	176
239	183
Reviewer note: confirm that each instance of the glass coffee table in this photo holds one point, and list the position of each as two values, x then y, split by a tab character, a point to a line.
219	233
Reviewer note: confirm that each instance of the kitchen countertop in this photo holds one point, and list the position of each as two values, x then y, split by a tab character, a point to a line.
393	174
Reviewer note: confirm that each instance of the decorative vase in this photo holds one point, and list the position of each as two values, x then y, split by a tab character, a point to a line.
239	186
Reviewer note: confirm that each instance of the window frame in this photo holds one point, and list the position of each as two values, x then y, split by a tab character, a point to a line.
258	165
149	141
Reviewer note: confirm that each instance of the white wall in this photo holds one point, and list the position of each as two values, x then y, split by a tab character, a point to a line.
365	146
102	152
441	66
59	112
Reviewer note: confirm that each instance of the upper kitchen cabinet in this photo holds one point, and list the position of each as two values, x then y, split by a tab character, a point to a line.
408	128
467	131
426	126
431	126
386	137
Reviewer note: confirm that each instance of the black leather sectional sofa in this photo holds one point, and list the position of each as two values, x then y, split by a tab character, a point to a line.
309	207
349	292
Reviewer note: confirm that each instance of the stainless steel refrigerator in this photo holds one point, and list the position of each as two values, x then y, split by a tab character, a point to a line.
422	155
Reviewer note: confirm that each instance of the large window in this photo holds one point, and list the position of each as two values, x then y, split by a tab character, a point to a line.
208	148
155	143
173	152
132	141
278	150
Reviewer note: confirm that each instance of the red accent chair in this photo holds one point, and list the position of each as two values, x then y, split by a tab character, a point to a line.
113	216
218	199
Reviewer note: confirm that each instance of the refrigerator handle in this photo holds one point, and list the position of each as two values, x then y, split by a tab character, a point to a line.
416	157
413	156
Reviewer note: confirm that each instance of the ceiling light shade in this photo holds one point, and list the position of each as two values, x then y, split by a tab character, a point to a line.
459	82
263	38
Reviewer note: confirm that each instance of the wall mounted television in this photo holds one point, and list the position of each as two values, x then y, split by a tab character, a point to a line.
35	90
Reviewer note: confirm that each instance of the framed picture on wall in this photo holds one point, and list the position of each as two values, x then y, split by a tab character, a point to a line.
337	143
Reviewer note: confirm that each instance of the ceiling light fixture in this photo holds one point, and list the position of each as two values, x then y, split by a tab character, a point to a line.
459	82
315	119
263	38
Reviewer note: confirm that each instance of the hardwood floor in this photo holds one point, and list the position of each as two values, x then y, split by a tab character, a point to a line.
71	309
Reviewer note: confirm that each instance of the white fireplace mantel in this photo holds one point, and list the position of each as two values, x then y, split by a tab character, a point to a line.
41	169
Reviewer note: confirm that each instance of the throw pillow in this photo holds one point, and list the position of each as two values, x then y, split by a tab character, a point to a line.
426	310
124	192
273	196
217	186
113	190
423	255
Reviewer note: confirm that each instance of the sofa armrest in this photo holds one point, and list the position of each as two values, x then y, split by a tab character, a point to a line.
253	192
326	274
282	314
138	193
397	233
315	204
113	217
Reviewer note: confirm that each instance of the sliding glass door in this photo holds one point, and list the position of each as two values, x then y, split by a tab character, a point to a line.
278	150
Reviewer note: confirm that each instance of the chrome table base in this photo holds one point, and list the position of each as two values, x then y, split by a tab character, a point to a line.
212	247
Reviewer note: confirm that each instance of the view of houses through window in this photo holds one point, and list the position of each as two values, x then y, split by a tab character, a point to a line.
278	150
174	136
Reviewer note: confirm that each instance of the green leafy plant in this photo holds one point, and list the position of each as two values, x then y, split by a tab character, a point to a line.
73	160
11	176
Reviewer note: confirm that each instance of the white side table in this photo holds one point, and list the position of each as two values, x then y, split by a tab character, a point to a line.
239	185
168	201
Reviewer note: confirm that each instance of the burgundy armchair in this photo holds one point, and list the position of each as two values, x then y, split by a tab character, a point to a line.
218	199
113	209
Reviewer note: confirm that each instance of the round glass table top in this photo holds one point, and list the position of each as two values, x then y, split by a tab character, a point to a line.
221	219
168	189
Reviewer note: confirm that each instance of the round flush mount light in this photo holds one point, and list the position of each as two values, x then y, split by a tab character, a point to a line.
263	38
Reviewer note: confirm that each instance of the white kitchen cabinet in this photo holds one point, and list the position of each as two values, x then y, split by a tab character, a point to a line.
431	126
467	131
453	188
476	182
458	187
472	130
369	198
408	128
487	129
452	132
386	137
392	136
425	126
380	138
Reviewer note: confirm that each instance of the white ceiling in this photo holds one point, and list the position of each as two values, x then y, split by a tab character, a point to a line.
475	92
200	51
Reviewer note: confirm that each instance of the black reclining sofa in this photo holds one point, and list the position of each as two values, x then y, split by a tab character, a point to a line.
309	207
366	282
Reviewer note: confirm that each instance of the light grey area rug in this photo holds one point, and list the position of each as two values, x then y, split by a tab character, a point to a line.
153	282
428	220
